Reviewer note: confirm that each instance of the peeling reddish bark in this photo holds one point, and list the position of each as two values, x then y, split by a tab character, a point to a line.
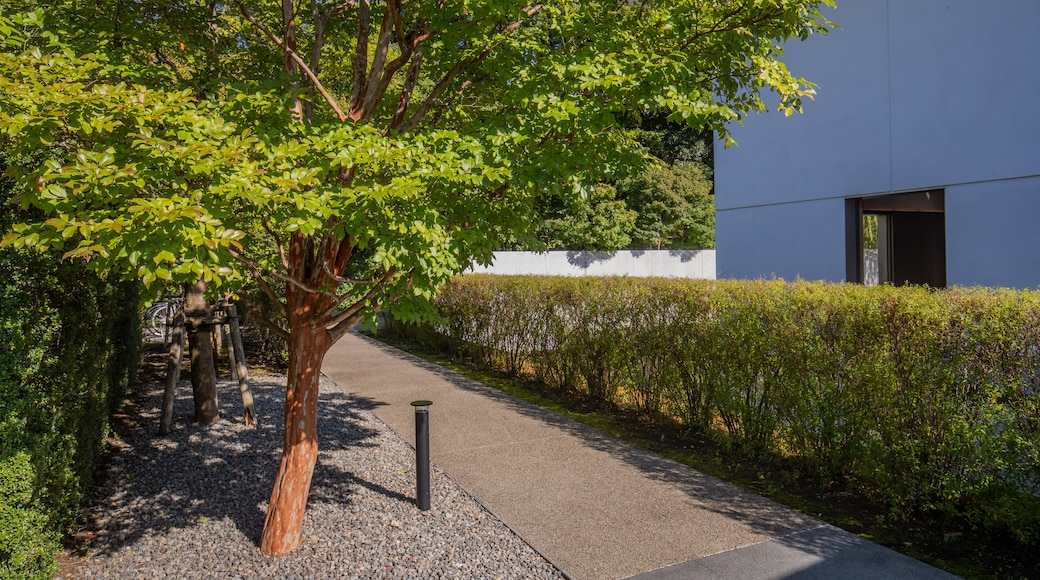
308	343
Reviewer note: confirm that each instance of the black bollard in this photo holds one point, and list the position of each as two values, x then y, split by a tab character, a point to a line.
422	454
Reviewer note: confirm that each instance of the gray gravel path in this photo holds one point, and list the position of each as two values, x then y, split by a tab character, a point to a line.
191	505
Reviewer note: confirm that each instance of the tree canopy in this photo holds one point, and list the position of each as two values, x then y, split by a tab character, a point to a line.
347	157
673	205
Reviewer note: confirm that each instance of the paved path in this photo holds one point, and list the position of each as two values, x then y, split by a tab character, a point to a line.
598	508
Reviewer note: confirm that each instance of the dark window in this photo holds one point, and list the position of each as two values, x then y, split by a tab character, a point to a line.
897	239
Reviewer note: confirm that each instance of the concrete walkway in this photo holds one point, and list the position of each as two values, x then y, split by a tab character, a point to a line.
595	507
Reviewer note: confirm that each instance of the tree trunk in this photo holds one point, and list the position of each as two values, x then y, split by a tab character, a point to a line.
308	344
200	346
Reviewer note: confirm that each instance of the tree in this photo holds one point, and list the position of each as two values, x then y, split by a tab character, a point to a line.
597	221
674	207
350	157
666	206
673	142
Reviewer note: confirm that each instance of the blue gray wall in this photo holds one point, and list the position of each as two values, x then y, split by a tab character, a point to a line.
913	95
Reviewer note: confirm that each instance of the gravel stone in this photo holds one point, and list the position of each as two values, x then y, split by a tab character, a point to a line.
192	504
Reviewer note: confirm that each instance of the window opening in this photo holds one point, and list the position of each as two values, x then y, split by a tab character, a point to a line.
901	239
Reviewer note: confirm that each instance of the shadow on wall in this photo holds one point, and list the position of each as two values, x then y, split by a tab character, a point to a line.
685	256
584	260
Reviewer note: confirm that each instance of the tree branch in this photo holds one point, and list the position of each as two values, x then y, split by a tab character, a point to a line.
460	66
256	313
292	54
718	26
406	92
398	26
255	267
408	52
332	249
343	253
291	66
360	57
342	322
255	273
162	58
278	242
375	76
315	63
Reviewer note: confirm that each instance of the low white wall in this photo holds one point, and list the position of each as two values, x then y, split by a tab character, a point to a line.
638	263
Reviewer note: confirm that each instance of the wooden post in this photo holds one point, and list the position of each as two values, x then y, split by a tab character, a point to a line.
173	372
217	345
239	364
225	330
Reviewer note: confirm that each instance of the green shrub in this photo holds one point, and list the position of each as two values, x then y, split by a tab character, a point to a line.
926	401
69	345
27	543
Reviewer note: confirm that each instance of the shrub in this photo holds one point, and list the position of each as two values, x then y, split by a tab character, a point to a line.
69	344
926	401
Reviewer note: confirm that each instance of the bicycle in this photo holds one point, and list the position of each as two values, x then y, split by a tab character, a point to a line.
159	317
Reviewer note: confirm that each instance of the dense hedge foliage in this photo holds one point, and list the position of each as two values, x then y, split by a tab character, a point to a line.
68	349
924	400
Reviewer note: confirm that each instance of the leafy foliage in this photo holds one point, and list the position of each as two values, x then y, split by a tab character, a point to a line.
147	179
666	205
68	349
674	207
596	221
925	401
673	142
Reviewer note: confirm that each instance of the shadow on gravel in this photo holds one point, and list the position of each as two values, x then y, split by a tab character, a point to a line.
715	495
210	472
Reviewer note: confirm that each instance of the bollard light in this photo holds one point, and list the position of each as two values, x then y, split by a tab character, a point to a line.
422	454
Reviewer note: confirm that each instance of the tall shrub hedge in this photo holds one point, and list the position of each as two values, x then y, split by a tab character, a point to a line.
69	346
926	401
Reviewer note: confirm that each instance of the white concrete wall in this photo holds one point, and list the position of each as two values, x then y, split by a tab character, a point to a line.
913	95
636	263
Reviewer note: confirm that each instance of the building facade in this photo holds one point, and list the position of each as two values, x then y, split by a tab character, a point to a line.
924	136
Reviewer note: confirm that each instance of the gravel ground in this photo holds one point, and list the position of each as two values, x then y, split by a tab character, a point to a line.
191	505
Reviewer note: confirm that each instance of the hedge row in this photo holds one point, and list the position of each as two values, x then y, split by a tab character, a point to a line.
68	349
927	401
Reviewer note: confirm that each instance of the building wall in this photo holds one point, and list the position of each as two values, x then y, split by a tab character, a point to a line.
912	95
768	241
992	237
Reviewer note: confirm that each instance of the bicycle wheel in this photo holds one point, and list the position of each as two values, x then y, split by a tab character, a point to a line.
155	320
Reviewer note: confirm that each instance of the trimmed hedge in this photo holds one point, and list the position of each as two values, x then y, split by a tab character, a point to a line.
926	401
69	345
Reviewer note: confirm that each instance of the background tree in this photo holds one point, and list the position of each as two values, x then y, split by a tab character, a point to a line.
668	205
596	221
673	142
350	157
674	207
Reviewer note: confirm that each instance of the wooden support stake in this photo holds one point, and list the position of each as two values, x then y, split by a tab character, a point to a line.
214	334
225	330
173	372
240	366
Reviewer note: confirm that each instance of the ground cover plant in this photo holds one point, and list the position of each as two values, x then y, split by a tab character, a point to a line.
921	403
